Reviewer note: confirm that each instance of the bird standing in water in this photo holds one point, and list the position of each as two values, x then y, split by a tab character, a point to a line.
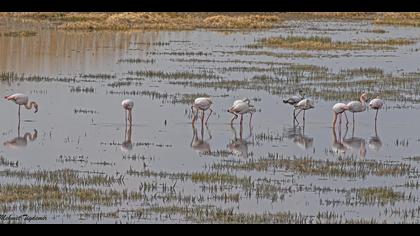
376	104
128	105
303	105
358	106
294	100
338	110
202	104
22	100
241	107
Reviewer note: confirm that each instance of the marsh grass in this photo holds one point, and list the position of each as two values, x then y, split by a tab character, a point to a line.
66	177
346	168
17	34
379	195
326	43
7	163
153	20
184	75
398	19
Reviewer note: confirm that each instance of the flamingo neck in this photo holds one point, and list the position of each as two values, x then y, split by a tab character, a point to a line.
29	105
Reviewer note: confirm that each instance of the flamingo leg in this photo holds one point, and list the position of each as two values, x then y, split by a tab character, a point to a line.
233	118
194	115
304	119
211	111
202	118
242	119
126	119
353	118
130	117
19	113
376	117
347	119
334	120
250	120
298	113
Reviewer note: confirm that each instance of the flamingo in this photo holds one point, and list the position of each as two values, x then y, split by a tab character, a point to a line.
376	104
128	105
358	106
22	100
294	100
202	104
241	107
303	105
339	109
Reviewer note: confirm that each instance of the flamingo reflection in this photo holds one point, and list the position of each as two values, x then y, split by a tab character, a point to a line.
375	142
127	145
240	146
198	143
21	141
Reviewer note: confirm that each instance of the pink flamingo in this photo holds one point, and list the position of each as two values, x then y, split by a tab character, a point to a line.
339	109
358	106
241	107
202	104
376	104
22	100
128	105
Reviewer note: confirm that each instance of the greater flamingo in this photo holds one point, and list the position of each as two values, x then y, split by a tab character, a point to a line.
22	100
294	100
202	104
303	105
358	106
241	107
128	105
376	104
339	109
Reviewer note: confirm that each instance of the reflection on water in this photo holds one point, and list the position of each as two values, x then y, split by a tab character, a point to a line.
60	52
297	135
239	146
21	141
354	144
198	143
375	142
337	145
127	145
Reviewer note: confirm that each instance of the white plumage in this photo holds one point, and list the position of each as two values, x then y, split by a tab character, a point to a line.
128	105
22	100
358	106
202	104
304	105
241	107
376	104
339	109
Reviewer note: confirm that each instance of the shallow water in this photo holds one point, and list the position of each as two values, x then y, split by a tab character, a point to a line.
82	118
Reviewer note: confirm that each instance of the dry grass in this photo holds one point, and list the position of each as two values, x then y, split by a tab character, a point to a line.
154	20
189	21
399	19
